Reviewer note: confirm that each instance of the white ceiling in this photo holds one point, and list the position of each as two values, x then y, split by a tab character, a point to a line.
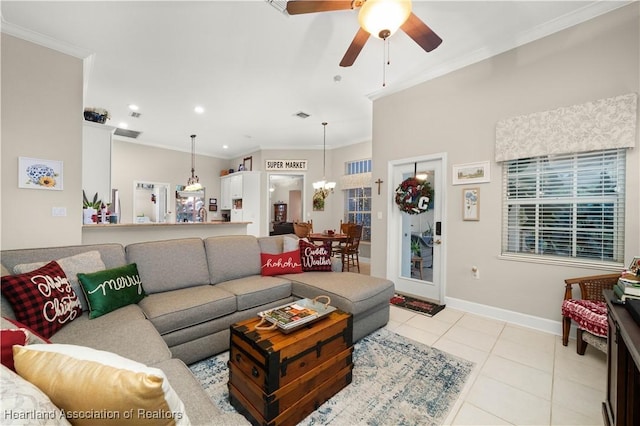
253	67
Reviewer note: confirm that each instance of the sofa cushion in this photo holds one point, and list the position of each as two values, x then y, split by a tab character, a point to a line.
273	244
232	257
42	299
257	290
82	380
171	264
87	262
283	263
111	289
349	291
124	331
178	309
21	400
199	407
112	254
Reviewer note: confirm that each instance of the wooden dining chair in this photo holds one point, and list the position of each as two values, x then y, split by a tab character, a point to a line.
302	229
350	251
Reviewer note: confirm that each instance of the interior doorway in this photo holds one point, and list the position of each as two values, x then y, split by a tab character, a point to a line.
286	194
416	262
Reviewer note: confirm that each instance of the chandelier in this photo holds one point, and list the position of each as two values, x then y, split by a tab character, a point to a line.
322	187
193	183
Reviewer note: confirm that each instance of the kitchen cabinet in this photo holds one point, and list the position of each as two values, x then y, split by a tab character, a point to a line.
245	199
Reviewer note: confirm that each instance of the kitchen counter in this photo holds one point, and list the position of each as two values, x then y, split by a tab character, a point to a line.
128	233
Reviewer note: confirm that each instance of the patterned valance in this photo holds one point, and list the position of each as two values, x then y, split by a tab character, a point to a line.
603	124
358	180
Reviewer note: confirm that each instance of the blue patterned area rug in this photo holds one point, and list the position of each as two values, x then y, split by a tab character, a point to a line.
396	381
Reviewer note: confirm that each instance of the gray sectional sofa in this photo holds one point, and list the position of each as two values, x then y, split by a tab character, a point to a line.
196	288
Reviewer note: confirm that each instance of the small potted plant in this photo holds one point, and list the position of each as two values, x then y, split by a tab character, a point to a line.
415	248
90	208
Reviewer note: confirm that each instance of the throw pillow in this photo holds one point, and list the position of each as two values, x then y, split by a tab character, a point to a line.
8	338
284	263
23	403
315	257
84	380
42	299
111	289
90	261
33	337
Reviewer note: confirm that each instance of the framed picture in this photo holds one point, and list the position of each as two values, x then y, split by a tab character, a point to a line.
471	173
634	266
471	204
213	207
247	163
213	201
34	173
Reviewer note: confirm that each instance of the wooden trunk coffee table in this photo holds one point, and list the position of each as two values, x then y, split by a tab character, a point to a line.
279	379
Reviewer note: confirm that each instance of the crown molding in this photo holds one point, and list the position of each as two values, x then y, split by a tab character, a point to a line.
86	55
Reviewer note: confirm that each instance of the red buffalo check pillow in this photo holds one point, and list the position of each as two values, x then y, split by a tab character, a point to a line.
315	257
42	299
284	263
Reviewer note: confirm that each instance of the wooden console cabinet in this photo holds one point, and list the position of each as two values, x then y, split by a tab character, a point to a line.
622	406
279	212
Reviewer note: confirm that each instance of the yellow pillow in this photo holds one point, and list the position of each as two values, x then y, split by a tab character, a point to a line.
96	387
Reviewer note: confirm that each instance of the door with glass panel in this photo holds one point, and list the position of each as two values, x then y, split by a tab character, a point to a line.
416	231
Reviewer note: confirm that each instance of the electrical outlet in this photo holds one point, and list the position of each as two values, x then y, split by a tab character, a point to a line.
379	215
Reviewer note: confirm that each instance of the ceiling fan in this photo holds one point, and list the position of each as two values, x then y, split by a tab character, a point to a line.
381	18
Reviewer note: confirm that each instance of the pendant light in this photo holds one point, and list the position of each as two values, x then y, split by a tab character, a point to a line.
193	184
322	187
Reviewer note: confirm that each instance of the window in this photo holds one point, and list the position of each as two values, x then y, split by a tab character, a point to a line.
565	207
358	200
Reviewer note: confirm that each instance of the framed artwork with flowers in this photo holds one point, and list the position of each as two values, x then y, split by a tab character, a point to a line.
34	173
471	204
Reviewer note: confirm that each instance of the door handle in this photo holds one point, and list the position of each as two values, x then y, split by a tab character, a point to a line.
438	242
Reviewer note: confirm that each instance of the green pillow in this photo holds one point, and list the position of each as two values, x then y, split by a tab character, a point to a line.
111	289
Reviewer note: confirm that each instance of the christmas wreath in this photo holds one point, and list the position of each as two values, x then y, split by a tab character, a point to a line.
413	195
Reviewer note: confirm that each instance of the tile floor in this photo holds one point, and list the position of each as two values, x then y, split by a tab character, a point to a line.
522	376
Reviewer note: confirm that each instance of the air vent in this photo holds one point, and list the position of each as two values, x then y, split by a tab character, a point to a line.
302	114
127	133
279	5
135	114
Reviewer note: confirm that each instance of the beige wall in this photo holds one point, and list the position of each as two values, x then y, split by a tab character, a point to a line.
457	114
41	118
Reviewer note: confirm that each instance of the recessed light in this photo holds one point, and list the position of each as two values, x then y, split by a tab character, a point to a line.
123	125
225	146
198	110
133	107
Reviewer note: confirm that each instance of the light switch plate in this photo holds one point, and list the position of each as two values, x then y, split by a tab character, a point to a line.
58	211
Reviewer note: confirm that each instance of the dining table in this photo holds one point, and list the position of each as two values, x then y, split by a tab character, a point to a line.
324	237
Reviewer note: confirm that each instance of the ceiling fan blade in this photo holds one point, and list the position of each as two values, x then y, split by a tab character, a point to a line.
421	33
354	48
297	7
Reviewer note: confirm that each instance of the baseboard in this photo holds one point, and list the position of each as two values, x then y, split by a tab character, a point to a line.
512	317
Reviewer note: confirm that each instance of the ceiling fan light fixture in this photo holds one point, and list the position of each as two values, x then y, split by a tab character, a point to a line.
382	18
